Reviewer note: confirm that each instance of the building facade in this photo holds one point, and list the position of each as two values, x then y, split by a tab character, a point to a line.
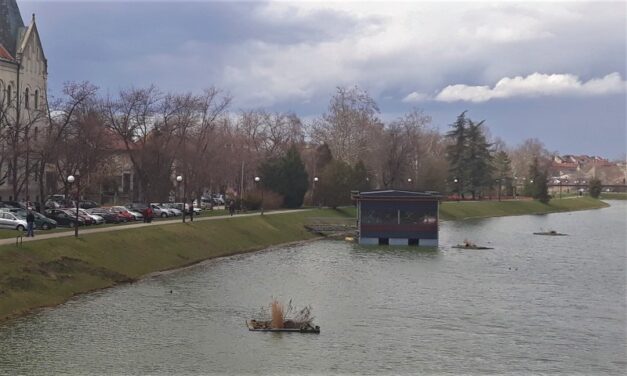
23	103
394	217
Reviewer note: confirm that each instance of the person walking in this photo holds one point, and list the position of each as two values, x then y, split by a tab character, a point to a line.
30	224
232	207
148	215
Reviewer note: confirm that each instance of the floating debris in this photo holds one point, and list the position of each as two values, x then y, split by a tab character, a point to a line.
470	245
550	233
284	319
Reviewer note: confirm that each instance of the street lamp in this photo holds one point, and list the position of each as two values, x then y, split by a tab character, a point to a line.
456	181
179	179
498	181
257	180
313	190
70	179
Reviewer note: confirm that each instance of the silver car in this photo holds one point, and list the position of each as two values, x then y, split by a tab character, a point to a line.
9	220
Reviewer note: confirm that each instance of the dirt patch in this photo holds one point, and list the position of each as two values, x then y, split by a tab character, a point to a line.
64	266
18	283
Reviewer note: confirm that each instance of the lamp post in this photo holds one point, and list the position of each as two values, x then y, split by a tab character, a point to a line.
71	179
515	186
498	181
560	183
313	191
408	182
258	180
456	181
179	179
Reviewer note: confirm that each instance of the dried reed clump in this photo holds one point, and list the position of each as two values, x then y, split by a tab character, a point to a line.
278	314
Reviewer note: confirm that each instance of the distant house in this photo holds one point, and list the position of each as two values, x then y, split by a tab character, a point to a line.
394	217
579	169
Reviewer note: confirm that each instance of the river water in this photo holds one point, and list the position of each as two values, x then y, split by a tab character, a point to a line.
533	304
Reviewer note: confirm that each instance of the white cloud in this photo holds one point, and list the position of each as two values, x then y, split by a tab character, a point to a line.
422	46
534	85
415	97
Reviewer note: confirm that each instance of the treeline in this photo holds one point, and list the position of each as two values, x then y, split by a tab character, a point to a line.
160	135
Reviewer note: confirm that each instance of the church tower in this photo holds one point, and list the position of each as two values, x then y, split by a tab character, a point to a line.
23	102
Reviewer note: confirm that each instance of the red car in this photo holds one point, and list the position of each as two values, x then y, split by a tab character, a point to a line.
123	213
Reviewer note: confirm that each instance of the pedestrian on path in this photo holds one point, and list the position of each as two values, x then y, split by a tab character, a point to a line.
232	207
30	224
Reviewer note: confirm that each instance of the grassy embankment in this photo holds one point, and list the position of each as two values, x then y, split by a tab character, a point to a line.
613	196
452	210
48	272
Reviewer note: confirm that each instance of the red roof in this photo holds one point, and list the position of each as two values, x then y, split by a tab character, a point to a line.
5	55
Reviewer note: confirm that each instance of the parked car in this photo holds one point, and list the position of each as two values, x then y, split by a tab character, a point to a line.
97	220
206	203
123	211
11	204
158	211
41	221
218	199
10	220
87	204
107	214
65	217
137	216
197	210
172	208
137	206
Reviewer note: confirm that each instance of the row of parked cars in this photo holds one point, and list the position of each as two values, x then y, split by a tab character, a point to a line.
13	214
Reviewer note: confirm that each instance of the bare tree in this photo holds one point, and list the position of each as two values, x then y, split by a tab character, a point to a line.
523	155
20	120
348	125
200	144
62	115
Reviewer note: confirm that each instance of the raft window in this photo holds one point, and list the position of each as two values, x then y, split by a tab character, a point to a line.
384	241
413	241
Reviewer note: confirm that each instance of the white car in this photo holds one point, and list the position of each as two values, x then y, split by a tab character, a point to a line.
9	220
137	215
98	220
172	209
158	211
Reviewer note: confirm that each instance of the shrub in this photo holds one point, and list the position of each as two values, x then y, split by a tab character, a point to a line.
595	188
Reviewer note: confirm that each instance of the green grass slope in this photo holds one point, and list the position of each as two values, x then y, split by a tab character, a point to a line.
48	272
453	210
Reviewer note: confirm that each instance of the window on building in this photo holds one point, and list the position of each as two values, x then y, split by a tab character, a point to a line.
36	99
9	95
26	98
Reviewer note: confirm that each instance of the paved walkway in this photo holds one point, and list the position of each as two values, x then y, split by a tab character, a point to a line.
86	231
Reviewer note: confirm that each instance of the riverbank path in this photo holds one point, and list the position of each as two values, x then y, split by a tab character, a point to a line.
85	231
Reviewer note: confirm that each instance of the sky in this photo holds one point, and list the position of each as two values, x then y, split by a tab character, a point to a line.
555	71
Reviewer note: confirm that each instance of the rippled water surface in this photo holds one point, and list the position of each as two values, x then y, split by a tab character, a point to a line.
533	304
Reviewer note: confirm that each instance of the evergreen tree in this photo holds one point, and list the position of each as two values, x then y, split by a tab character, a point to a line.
478	159
336	183
456	152
287	176
537	186
503	171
